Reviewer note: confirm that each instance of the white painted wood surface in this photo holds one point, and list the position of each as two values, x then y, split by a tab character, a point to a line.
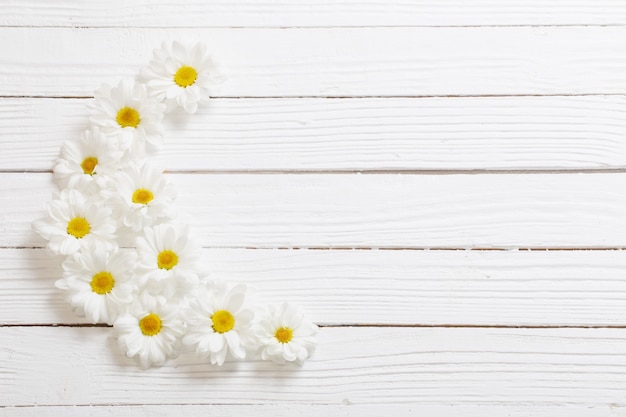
318	91
464	133
503	211
380	287
379	61
397	366
311	13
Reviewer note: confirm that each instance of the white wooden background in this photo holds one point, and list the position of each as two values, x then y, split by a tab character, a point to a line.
440	183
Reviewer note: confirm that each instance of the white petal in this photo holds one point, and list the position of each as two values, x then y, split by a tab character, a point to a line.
234	344
216	342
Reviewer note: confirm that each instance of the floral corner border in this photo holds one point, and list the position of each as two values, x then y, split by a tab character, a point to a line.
127	262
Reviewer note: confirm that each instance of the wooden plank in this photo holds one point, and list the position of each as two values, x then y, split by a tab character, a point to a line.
360	366
355	210
489	288
331	62
280	13
350	134
314	410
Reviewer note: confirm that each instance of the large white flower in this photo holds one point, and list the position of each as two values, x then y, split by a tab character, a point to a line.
129	115
219	322
181	75
150	331
74	221
168	260
142	197
284	335
98	283
88	163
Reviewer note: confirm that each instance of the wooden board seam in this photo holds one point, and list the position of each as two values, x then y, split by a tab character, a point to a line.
539	171
336	97
372	325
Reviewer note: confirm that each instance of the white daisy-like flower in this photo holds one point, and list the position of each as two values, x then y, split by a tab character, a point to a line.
168	260
181	75
88	163
150	331
74	221
219	322
284	335
128	114
98	283
142	197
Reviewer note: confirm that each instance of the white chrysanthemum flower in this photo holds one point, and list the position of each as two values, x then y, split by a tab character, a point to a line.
284	335
219	322
150	331
74	221
168	260
181	76
98	283
142	197
88	163
129	115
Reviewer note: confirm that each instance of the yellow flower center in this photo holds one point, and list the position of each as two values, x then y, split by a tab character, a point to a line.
142	196
223	321
167	259
89	164
150	325
284	334
102	283
78	227
128	117
185	76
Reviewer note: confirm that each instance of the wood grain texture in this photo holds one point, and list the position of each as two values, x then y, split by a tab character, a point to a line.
486	288
319	87
282	13
331	62
360	366
356	210
314	410
350	134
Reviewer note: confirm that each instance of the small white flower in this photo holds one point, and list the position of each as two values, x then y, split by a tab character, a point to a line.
219	322
150	331
142	197
87	163
181	75
168	260
74	221
129	115
284	335
98	283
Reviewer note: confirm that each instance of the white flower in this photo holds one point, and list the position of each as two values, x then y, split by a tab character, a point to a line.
219	322
87	163
129	115
181	75
141	197
150	331
98	283
284	335
75	221
168	260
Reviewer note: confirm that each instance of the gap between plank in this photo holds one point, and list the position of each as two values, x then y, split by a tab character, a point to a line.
347	97
408	171
375	325
317	27
382	248
538	171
